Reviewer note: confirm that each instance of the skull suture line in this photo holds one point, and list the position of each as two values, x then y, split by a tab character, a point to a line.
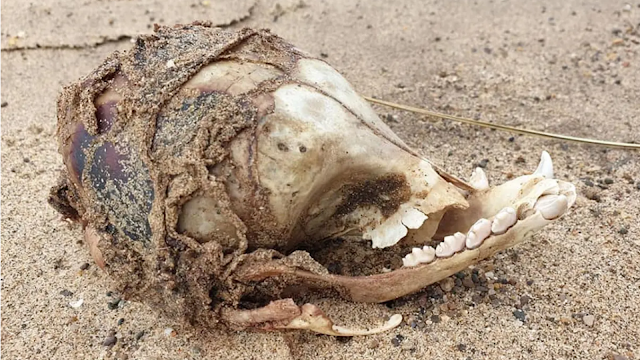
206	166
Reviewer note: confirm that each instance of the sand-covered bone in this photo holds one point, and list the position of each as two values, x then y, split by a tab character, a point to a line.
204	163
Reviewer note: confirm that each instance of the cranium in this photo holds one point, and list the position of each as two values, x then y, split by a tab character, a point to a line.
210	169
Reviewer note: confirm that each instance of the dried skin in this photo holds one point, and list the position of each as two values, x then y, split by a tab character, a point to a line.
211	170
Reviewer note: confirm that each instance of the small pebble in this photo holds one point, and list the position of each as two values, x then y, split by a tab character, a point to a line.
113	305
435	319
373	343
169	332
4	104
447	284
85	266
397	340
66	292
483	163
462	347
638	185
468	282
592	194
139	335
76	304
524	300
489	275
529	282
120	321
617	357
110	340
588	320
608	181
623	231
520	315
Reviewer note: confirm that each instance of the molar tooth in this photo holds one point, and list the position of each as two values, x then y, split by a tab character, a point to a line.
409	261
479	179
424	255
504	220
479	231
428	255
552	206
443	250
456	241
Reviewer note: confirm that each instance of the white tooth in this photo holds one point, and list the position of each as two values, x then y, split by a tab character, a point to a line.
456	241
504	220
409	261
545	168
479	179
428	255
479	231
552	206
443	250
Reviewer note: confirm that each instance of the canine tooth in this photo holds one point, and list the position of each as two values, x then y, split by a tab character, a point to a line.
479	231
479	179
552	206
504	220
409	261
545	168
444	250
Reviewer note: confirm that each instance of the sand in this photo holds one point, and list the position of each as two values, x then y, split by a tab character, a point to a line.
571	292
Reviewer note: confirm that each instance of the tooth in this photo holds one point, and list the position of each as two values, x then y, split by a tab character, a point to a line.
409	261
479	179
443	250
428	255
552	206
424	255
479	231
545	168
504	220
456	241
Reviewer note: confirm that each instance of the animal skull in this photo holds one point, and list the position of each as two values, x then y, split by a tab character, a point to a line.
206	166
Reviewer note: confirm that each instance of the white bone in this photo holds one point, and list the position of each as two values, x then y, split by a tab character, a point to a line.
479	179
413	218
552	206
479	231
505	219
545	168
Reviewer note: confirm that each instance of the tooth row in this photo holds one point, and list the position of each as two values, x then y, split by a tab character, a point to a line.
458	242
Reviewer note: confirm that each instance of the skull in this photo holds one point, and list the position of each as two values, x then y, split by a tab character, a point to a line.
218	174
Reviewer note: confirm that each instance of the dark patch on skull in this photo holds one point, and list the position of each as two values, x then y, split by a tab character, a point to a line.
386	192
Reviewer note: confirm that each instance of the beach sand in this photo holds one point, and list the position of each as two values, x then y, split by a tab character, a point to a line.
571	292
